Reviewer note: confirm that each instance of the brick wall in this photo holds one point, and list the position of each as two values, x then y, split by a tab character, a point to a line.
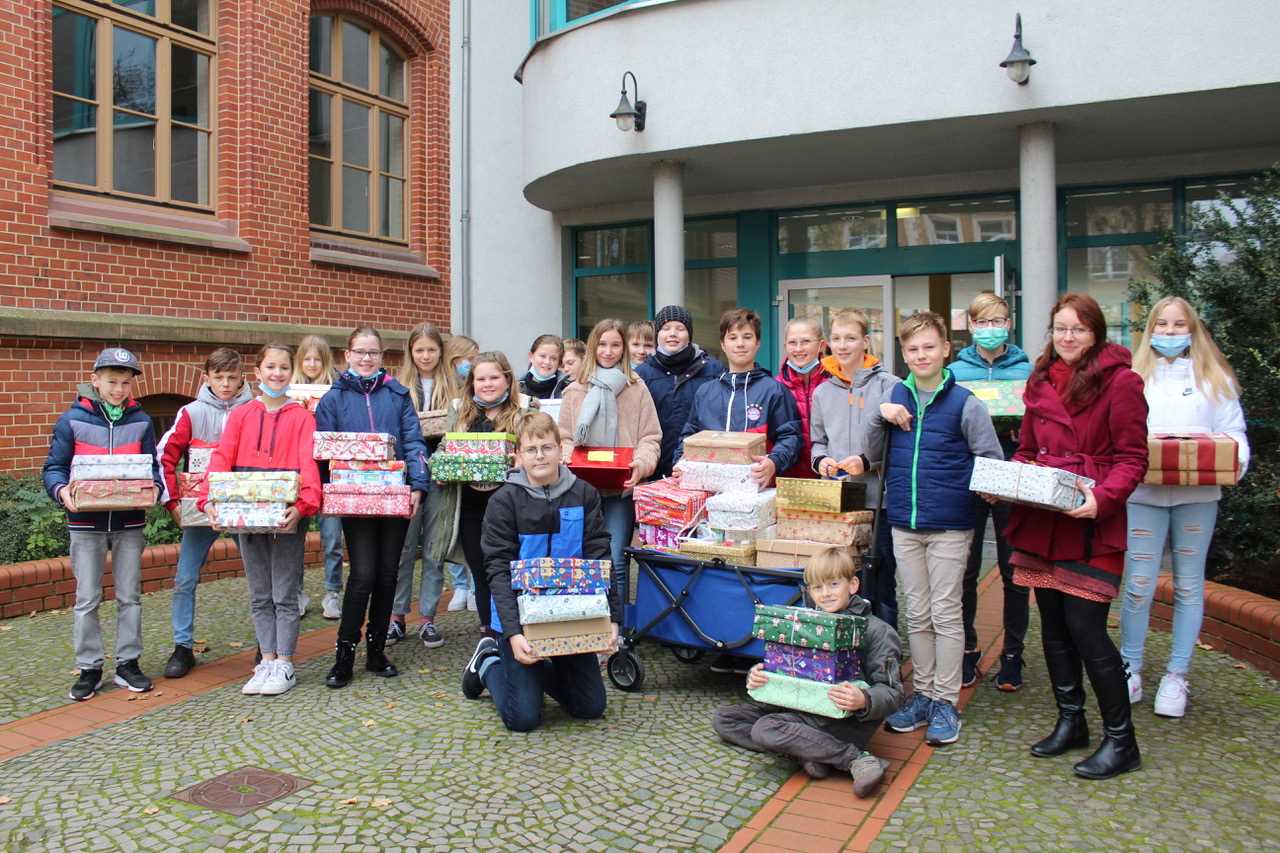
1243	624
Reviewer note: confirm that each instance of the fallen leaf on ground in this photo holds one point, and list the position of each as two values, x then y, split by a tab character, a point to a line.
1239	666
244	720
159	693
132	699
368	724
349	801
32	614
202	649
75	672
202	641
1205	646
381	804
52	612
236	644
6	627
420	672
152	810
4	801
145	697
391	706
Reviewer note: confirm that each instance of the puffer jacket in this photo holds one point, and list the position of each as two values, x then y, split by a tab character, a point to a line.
802	387
752	401
386	408
843	408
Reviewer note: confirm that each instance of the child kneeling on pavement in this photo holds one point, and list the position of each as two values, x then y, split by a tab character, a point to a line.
822	743
544	510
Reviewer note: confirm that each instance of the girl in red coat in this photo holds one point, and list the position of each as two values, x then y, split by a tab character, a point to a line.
1086	413
801	374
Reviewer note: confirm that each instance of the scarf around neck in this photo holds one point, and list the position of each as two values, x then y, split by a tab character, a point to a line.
677	362
598	419
113	413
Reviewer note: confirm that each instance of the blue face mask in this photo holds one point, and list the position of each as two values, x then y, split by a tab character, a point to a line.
539	375
506	395
803	371
1170	345
991	338
275	395
464	369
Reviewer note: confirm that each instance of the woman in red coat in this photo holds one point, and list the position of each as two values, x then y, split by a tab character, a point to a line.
1086	413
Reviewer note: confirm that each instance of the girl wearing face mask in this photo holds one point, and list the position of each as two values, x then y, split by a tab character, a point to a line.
544	380
801	374
1190	388
451	379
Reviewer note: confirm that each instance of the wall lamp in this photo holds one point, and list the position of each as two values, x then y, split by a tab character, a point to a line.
630	118
1018	63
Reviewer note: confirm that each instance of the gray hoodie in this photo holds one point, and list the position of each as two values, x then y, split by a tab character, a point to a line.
842	414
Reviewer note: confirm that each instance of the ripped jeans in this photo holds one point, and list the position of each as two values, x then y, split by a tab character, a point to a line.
1191	528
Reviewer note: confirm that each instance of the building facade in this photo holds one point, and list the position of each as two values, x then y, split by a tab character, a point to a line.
805	156
178	175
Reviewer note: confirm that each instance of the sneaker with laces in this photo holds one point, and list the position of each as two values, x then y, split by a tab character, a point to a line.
280	678
1135	685
304	601
944	724
867	771
129	676
969	672
261	673
1171	697
430	635
911	716
472	686
395	632
1009	678
471	601
458	601
86	686
331	605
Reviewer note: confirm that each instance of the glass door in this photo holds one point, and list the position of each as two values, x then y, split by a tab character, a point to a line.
819	298
946	295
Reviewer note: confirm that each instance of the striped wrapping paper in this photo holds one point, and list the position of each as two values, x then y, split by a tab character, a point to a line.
1197	459
663	503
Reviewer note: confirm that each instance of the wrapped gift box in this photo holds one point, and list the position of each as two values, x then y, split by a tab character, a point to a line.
716	477
831	528
394	501
808	627
561	608
565	573
387	472
831	667
198	459
735	448
250	516
743	554
580	636
1201	459
799	694
354	445
742	510
1002	397
480	443
841	495
602	467
189	485
658	536
433	422
111	466
269	486
666	503
786	553
468	468
742	535
190	516
1035	485
107	495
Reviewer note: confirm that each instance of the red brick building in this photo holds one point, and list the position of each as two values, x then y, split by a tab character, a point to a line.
177	175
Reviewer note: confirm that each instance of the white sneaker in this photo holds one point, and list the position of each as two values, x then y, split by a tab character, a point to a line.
471	601
280	680
304	601
459	600
1171	698
332	605
261	673
1135	687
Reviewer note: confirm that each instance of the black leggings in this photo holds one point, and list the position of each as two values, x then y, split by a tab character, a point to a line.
470	528
373	546
1077	622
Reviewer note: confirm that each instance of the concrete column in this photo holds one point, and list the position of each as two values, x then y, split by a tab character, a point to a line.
668	233
1037	181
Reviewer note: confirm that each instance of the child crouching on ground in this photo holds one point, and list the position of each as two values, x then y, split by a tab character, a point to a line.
822	743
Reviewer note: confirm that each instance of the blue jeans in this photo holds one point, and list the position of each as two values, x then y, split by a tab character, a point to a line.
192	554
1190	526
460	576
331	540
572	680
620	521
418	539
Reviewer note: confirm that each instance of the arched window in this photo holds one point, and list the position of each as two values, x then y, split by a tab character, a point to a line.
358	120
163	409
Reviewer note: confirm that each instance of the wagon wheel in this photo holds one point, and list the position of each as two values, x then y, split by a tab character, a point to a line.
625	671
684	654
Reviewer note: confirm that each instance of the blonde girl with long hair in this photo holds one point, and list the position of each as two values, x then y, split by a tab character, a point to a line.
459	352
1190	388
314	366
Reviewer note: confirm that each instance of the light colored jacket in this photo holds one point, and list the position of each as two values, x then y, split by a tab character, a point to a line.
638	425
841	414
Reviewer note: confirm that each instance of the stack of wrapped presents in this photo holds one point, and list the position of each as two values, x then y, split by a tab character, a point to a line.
473	457
307	394
666	512
1196	459
807	651
102	482
252	501
813	515
365	478
1033	485
564	604
190	482
738	511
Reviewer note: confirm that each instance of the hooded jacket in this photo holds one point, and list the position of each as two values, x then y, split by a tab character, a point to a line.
802	387
749	402
842	412
386	408
673	390
198	424
970	366
524	521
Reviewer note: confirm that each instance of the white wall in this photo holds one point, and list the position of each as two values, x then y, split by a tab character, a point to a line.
514	262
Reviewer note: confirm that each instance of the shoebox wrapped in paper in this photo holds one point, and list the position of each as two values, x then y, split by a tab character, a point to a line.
786	553
107	495
433	422
808	627
831	667
800	694
307	394
190	516
480	443
742	510
392	501
841	495
716	477
602	467
468	468
743	554
740	535
666	503
230	486
1035	485
1002	397
735	448
659	536
831	528
563	575
189	485
354	445
198	459
535	609
580	636
1197	459
387	472
111	466
251	516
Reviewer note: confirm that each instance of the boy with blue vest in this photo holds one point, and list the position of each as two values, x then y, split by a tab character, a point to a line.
105	419
941	427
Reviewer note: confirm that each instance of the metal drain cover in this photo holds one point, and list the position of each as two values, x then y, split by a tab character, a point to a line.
242	790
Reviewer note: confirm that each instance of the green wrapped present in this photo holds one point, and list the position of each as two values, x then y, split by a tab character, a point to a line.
808	628
1002	397
468	468
800	694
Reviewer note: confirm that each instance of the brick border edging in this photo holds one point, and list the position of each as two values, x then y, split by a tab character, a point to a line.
1243	624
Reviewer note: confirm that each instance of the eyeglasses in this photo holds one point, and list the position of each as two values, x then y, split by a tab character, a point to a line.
540	450
366	353
1071	331
992	323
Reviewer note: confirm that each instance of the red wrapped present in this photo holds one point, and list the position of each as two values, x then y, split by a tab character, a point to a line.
189	485
367	500
107	495
603	467
663	503
1196	459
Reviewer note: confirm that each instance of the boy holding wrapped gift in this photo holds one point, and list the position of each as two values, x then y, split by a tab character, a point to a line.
941	427
544	510
198	424
823	743
105	419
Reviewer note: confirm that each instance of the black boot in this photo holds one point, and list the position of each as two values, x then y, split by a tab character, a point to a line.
1118	752
1067	677
340	675
375	660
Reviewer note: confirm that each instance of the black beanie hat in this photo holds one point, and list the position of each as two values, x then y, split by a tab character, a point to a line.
673	312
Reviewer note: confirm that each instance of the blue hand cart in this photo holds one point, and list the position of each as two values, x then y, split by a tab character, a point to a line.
694	606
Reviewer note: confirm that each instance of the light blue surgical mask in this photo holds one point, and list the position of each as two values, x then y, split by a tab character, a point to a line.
506	395
275	395
805	370
539	375
464	369
1170	345
991	338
